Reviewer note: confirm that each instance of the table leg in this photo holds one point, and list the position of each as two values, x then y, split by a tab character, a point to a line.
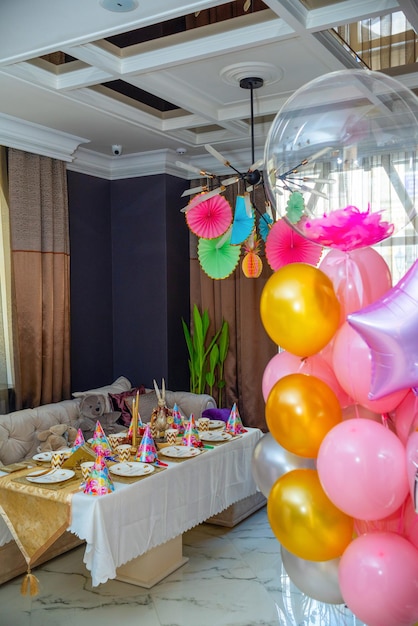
150	568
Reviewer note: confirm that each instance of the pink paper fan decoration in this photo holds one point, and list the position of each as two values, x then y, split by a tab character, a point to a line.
284	245
211	218
348	228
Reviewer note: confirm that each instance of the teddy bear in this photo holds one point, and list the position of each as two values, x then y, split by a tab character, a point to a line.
57	437
93	409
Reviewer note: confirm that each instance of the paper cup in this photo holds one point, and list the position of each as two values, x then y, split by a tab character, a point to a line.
115	439
171	435
86	469
204	423
124	452
58	459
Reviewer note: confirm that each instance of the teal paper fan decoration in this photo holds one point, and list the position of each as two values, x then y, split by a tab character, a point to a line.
244	218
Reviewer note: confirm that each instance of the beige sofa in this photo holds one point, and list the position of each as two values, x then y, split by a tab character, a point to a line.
18	442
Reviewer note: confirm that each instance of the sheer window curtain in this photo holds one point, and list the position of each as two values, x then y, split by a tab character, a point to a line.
40	256
237	300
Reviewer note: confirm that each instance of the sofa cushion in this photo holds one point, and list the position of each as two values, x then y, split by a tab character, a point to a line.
123	402
118	386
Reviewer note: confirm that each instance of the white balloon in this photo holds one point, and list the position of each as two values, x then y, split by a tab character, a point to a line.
317	579
270	461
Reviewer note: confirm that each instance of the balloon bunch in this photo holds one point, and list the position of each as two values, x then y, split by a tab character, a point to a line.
339	465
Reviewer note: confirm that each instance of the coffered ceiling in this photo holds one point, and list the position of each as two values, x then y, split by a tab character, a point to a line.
77	78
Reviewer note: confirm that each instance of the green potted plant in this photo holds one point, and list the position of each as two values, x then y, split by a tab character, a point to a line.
207	355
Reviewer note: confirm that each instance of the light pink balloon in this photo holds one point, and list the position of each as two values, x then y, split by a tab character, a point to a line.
357	411
412	466
352	365
285	363
378	577
362	468
405	415
359	277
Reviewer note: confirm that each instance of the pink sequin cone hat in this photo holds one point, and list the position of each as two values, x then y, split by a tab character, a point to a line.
147	452
79	440
191	433
177	419
99	482
234	424
101	445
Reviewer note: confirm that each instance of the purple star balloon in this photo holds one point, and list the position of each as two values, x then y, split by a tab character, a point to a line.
389	326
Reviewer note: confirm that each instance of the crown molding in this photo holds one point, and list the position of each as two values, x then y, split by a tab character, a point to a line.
30	137
34	138
126	166
154	162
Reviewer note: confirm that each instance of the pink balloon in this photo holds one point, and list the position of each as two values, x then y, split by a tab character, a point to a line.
405	415
378	577
389	326
359	277
352	365
362	469
410	523
403	522
282	364
412	466
285	363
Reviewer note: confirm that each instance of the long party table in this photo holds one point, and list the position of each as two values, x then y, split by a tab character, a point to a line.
134	533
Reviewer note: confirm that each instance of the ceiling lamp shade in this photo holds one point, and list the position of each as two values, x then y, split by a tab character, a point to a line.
211	218
284	245
217	257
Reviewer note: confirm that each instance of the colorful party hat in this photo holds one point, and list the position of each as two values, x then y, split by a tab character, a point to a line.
234	424
147	452
78	441
101	445
191	433
99	482
140	425
177	419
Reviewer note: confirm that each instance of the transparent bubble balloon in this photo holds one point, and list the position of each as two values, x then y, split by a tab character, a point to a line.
341	159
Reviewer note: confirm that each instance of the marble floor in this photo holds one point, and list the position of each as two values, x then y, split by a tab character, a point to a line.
234	577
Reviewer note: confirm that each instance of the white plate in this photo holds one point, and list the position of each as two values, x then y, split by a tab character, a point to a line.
216	424
54	476
180	452
136	468
43	456
47	456
215	435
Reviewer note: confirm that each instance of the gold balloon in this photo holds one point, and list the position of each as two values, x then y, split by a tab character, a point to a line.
299	309
300	411
304	520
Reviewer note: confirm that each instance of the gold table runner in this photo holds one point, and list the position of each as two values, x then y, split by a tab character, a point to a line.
36	516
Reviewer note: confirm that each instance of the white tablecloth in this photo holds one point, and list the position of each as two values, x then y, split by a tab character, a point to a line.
139	516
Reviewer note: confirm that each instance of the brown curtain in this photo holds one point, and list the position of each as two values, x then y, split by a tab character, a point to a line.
237	300
40	253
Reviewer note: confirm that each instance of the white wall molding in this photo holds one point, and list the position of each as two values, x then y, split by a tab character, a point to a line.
38	139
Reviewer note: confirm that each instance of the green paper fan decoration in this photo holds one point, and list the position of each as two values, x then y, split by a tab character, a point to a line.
217	257
295	207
